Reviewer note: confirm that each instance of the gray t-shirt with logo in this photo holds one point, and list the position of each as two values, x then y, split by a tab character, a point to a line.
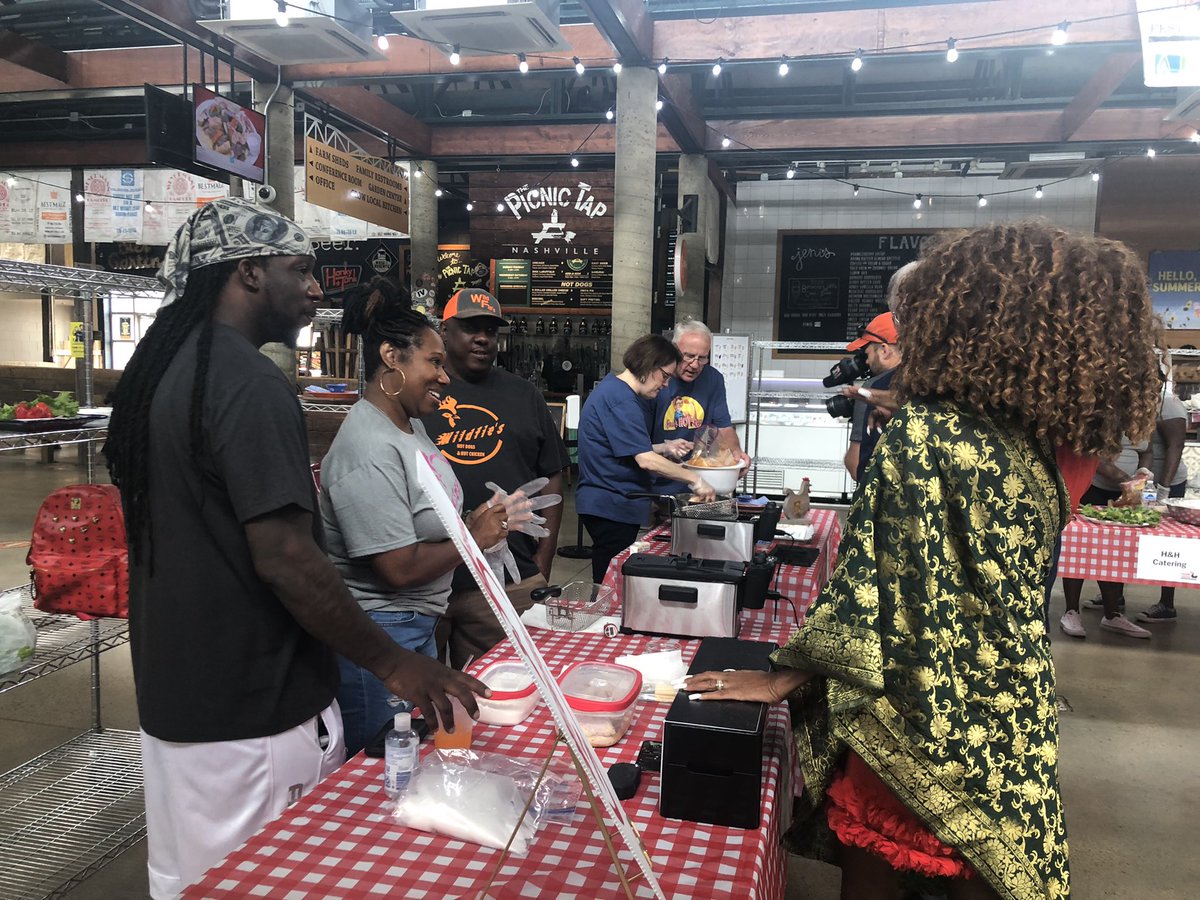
372	502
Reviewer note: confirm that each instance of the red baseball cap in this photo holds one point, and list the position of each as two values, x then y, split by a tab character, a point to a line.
470	303
882	330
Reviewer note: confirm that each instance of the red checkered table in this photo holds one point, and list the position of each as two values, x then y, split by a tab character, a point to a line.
799	583
340	841
1109	552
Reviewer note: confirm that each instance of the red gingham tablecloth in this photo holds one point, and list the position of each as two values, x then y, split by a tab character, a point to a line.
339	841
800	583
1109	552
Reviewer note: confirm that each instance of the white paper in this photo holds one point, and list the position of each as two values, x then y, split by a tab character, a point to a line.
1168	559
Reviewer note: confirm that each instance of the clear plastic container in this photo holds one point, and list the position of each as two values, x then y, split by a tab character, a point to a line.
514	695
603	697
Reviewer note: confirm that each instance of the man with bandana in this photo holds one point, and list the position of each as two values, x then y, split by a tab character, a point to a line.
235	611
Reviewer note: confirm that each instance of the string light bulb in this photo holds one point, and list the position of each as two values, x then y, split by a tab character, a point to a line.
725	141
1038	193
617	67
437	192
856	190
1059	35
10	181
1151	152
917	202
1195	138
417	173
856	64
281	14
609	114
579	68
574	162
149	207
784	68
381	41
470	206
522	64
982	201
716	69
79	198
1095	175
455	56
662	66
951	50
791	172
658	105
499	207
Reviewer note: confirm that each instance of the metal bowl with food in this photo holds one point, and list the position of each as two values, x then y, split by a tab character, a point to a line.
1183	509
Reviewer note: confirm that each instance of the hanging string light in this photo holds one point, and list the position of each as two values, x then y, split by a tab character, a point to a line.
579	68
951	50
1095	175
791	172
1038	193
1151	152
617	67
725	141
982	201
609	114
455	56
438	192
1059	36
658	105
784	68
281	15
662	66
856	64
470	206
522	64
917	202
574	162
856	190
381	41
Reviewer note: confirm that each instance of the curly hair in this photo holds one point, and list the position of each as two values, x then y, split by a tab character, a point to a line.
1044	327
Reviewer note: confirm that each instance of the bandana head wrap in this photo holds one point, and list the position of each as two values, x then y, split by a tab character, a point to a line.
225	230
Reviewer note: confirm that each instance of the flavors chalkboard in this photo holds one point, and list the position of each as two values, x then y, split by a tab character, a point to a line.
830	284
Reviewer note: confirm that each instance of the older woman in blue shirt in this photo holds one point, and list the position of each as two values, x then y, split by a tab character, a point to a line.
616	455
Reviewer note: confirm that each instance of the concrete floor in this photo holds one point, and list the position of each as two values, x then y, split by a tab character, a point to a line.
1129	741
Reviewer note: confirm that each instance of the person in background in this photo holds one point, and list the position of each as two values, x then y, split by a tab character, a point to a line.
616	455
384	536
882	347
1170	477
1106	487
492	426
234	610
695	397
922	685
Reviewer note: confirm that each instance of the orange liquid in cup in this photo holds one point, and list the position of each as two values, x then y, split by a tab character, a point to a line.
461	738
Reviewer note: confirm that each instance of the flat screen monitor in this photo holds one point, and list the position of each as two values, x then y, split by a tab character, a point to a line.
169	133
227	135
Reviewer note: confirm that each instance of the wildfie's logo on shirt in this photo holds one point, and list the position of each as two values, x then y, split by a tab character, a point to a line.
475	435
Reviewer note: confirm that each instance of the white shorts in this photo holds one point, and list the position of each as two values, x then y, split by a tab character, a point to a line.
204	800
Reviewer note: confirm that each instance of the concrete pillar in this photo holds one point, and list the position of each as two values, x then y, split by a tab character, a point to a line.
423	222
633	212
693	179
281	175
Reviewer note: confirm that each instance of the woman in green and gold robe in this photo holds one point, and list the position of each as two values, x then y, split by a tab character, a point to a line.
921	684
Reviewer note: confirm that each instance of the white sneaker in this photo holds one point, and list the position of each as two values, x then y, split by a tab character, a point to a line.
1071	624
1122	625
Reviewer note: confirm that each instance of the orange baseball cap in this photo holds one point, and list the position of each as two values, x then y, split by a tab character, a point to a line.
470	303
882	330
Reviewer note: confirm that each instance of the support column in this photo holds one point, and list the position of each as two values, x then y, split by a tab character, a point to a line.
281	175
633	212
423	224
693	179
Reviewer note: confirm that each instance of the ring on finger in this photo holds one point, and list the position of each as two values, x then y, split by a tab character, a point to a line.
504	525
720	685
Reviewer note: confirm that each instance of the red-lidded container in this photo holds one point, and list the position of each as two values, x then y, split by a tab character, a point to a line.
514	695
603	697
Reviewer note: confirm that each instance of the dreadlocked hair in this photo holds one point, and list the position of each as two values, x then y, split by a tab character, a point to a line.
1048	328
381	311
128	446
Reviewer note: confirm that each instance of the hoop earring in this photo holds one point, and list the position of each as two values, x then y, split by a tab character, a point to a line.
403	381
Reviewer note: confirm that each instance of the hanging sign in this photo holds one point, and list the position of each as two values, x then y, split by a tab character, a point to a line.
113	206
54	208
1174	277
77	340
1170	42
363	187
1168	559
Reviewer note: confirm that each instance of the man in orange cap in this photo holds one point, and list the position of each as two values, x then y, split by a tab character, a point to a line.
880	342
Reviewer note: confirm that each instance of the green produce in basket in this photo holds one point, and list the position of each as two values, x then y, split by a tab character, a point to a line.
1122	515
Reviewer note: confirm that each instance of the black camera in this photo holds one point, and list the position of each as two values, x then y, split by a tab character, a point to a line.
839	407
847	370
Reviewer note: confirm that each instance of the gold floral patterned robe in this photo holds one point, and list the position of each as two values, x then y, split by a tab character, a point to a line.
932	641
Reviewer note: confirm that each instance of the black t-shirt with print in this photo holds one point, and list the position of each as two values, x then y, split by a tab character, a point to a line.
496	429
216	655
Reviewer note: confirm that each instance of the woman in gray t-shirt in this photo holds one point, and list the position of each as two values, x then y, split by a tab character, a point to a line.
381	530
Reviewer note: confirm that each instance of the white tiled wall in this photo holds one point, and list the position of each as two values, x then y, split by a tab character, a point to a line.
767	207
21	334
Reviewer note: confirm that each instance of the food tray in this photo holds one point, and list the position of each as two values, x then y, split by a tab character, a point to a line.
1183	509
56	423
1113	524
578	605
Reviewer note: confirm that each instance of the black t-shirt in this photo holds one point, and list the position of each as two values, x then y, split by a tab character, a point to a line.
216	655
497	429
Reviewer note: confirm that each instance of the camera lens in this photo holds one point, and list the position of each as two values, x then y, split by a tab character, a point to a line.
847	370
839	407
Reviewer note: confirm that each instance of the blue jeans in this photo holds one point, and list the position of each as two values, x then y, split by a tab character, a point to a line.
366	704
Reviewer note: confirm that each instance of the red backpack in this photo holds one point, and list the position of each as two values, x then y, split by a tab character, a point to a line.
78	555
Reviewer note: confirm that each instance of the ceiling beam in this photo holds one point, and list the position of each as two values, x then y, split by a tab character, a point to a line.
499	141
36	57
411	135
1093	94
627	26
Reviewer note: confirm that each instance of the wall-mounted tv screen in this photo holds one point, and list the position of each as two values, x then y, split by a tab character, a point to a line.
169	133
228	136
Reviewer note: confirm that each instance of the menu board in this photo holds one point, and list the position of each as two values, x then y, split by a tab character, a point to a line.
512	282
570	283
832	283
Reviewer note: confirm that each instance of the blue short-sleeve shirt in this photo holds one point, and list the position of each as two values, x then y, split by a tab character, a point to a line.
614	427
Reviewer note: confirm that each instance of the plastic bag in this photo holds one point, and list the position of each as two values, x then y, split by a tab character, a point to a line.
708	452
1133	490
18	635
479	797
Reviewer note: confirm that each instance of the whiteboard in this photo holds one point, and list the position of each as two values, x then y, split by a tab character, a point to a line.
730	355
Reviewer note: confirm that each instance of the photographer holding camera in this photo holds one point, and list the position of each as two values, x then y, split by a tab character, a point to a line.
878	342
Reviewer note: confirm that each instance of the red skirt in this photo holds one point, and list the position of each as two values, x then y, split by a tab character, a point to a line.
863	812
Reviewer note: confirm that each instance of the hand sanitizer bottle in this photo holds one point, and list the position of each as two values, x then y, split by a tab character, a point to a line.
399	755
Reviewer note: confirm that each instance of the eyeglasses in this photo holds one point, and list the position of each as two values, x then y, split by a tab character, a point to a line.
695	357
666	376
